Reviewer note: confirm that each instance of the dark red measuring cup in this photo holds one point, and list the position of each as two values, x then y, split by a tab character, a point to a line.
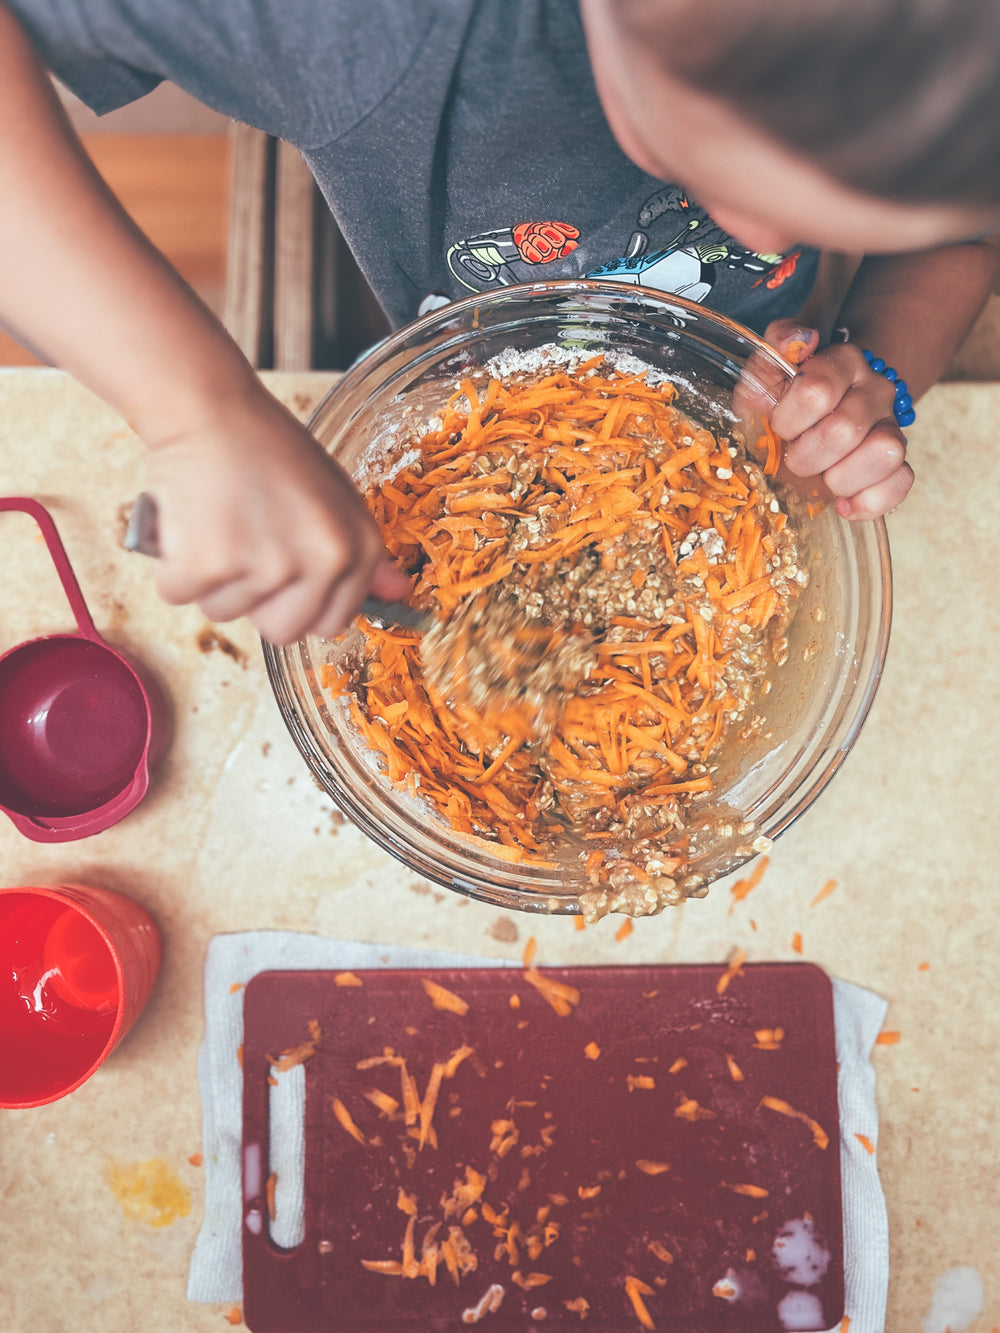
80	730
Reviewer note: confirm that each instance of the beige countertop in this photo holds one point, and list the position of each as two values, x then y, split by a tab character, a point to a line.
235	835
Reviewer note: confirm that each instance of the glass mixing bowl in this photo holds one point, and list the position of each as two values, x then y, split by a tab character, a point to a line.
817	701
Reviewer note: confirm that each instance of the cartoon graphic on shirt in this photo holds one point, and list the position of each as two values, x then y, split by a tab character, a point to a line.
687	264
484	260
675	248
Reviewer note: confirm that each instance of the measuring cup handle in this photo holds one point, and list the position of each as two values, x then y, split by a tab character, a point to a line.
59	558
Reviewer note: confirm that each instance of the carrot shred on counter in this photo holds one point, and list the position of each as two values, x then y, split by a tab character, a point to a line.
529	951
347	979
523	480
442	998
923	967
797	941
592	1051
237	986
866	1143
824	892
196	1159
235	1316
269	1189
887	1038
679	1064
624	930
820	1136
649	1168
735	1072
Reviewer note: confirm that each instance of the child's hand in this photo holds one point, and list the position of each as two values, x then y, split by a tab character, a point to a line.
256	520
838	420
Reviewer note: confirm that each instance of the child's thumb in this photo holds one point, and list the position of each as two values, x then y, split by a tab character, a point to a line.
793	340
390	583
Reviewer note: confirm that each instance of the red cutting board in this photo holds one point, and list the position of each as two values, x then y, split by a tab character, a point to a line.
679	1080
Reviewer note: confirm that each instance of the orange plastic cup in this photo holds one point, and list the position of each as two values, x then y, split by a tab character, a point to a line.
77	965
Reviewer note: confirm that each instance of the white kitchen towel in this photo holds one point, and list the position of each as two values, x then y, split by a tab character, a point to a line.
216	1272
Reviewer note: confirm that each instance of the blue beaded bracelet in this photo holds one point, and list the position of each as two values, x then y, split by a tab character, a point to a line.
902	405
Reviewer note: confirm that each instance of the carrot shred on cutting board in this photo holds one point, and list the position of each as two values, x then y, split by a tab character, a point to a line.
734	968
524	480
820	1136
635	1289
797	941
346	1121
442	998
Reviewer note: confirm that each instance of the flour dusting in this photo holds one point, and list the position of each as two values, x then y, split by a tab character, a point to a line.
957	1301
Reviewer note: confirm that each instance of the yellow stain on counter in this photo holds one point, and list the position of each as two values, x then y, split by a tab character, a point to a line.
149	1192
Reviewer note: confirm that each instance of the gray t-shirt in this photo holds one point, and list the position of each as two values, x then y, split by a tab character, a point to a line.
459	143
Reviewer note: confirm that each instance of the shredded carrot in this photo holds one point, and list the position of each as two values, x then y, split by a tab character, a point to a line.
297	1055
824	892
735	1072
751	1191
820	1136
865	1142
769	1039
734	968
649	1168
723	1289
679	1064
689	1109
235	1316
642	1081
635	1289
442	998
797	942
887	1038
347	979
382	1102
660	1250
578	921
561	997
624	930
742	887
599	451
269	1189
529	951
196	1159
237	986
923	967
346	1120
592	1051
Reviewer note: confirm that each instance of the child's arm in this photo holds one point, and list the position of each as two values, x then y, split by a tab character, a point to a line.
254	518
912	311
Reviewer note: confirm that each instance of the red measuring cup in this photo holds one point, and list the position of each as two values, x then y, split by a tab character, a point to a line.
80	729
77	964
